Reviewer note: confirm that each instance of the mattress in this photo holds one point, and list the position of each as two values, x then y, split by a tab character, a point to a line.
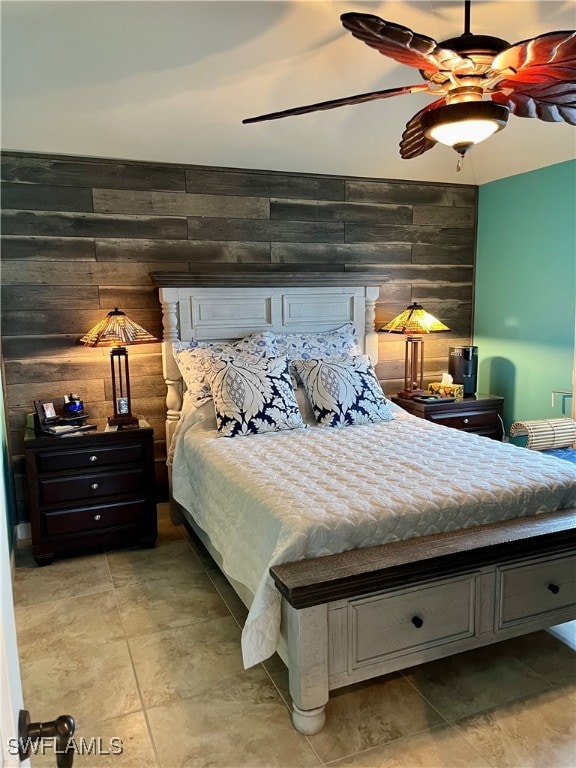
280	497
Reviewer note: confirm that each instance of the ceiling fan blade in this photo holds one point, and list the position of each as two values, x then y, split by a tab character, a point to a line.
333	103
400	43
414	142
547	58
554	103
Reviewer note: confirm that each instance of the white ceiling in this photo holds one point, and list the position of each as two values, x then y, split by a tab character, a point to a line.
171	81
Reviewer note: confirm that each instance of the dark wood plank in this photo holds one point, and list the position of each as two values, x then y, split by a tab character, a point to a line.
42	197
437	273
410	193
348	574
364	233
48	248
122	249
106	174
180	204
95	273
92	225
444	216
39	297
215	181
322	210
130	298
341	253
424	253
253	230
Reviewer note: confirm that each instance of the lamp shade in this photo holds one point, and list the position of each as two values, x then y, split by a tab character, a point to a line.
117	330
462	125
415	320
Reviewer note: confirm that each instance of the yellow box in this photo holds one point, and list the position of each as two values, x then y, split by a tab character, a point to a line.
447	390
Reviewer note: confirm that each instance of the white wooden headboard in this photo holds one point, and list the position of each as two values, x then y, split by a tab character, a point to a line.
218	307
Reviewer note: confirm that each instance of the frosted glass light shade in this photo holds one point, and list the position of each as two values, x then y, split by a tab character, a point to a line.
465	124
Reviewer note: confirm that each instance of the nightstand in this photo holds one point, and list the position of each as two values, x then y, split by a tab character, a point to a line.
91	489
480	414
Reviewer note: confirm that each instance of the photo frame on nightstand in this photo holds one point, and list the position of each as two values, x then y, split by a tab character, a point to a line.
49	412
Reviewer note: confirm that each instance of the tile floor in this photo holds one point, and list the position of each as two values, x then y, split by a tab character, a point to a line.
143	645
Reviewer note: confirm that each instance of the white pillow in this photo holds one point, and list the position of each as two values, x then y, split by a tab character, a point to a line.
194	357
343	390
253	396
305	346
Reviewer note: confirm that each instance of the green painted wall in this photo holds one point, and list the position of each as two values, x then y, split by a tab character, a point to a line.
525	289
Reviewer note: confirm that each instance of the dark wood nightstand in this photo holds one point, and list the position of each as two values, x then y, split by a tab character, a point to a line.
481	414
91	489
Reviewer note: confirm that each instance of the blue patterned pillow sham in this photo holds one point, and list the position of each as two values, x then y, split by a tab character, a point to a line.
194	358
343	390
252	396
305	346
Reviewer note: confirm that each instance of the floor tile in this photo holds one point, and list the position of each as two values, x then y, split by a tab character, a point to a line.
123	742
68	577
171	560
536	732
162	604
90	686
187	661
369	714
546	655
471	682
243	725
86	621
441	747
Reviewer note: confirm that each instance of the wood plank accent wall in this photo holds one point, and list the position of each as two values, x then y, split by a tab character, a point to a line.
80	236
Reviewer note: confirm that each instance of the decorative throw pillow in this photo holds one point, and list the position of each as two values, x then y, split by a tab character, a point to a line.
194	357
343	390
252	396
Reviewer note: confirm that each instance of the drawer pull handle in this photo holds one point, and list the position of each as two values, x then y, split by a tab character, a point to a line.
94	486
97	517
93	458
417	621
465	421
554	588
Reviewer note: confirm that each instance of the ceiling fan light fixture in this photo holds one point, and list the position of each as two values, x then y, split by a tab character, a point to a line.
463	125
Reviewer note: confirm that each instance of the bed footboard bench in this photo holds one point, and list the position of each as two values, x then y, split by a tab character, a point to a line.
360	614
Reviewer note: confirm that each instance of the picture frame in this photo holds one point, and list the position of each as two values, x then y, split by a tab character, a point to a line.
49	412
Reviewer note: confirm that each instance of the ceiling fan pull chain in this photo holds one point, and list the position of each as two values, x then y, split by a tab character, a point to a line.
460	163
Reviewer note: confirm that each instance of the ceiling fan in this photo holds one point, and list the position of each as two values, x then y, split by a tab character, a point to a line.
480	81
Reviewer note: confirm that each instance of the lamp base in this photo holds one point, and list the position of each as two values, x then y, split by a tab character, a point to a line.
123	420
408	394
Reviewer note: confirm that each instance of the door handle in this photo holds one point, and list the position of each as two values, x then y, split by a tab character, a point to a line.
61	730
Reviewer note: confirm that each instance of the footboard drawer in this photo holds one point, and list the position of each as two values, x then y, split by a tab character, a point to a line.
407	621
528	591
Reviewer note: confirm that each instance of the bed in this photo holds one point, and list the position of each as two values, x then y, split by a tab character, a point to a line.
365	549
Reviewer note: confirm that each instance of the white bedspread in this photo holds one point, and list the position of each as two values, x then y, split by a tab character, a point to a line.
281	497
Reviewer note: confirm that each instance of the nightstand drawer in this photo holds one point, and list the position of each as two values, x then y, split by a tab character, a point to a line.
89	458
466	421
93	518
529	591
94	486
404	622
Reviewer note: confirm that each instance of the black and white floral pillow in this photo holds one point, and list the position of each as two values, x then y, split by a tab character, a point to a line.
194	358
343	390
252	396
